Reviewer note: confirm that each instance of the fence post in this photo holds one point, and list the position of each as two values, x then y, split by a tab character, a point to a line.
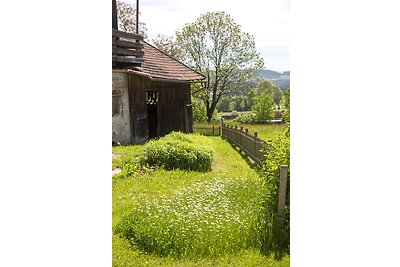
213	130
219	130
282	193
255	146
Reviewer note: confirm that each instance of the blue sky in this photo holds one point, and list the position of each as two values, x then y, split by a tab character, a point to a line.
267	21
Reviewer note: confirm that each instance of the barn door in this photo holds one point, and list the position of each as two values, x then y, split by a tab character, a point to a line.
152	113
138	112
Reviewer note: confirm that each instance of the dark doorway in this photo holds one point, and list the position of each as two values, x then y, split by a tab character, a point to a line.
152	114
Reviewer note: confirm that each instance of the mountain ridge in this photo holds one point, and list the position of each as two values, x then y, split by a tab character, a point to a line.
281	78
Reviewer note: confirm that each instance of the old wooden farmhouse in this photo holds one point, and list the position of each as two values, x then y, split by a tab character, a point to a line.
150	91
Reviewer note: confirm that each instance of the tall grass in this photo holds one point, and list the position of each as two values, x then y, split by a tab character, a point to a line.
277	235
230	196
211	218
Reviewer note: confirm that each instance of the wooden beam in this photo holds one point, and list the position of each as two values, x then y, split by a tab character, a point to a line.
127	44
125	59
127	35
127	52
114	15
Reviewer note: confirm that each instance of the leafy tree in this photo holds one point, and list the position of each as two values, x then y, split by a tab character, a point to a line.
286	114
168	45
127	19
267	85
277	95
199	110
216	46
223	104
263	106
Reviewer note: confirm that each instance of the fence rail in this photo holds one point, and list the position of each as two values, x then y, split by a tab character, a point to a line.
127	50
251	145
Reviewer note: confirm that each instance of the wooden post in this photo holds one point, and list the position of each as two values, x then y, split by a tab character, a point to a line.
213	130
235	135
282	192
219	130
247	131
255	147
114	15
241	128
137	16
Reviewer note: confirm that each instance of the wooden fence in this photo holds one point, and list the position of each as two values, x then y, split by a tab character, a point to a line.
253	147
208	131
250	144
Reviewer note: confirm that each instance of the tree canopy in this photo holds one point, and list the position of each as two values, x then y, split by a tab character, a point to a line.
272	88
127	19
168	45
216	46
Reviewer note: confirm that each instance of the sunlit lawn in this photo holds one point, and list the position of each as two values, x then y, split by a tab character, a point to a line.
162	191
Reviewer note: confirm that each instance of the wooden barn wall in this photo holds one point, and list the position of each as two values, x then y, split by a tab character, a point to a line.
138	113
174	107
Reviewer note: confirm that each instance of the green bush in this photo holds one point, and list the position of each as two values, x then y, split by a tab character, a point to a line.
199	110
276	237
262	108
248	118
133	168
179	151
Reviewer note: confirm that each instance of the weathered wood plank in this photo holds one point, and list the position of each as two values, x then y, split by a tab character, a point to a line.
282	190
125	59
251	145
127	52
127	35
127	44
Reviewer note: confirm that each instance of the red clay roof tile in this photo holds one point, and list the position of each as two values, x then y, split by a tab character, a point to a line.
161	66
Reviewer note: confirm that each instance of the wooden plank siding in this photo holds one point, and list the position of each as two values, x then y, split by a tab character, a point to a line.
174	107
138	109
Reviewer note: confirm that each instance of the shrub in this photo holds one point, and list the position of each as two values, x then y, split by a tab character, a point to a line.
262	107
246	118
199	110
179	151
276	237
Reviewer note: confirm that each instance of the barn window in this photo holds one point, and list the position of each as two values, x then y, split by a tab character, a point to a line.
151	97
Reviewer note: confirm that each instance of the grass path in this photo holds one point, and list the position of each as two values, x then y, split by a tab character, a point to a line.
132	192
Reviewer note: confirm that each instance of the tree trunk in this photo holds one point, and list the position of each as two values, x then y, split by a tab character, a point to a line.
210	110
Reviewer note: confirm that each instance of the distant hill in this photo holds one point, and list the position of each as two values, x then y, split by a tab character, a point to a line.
281	78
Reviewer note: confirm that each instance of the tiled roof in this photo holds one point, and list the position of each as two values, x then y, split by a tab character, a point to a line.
161	66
